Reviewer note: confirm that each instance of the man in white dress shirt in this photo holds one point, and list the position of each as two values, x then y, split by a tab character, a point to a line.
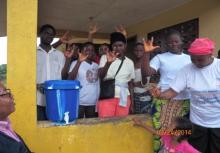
50	66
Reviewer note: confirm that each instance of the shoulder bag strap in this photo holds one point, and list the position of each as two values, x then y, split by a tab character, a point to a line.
119	66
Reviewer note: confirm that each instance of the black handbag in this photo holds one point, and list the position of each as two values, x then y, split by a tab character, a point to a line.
107	90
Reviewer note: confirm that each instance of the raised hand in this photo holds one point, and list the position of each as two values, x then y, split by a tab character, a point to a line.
93	29
111	56
65	38
148	45
82	57
120	28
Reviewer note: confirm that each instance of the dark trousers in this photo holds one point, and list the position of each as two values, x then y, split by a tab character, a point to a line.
142	103
206	140
87	111
41	113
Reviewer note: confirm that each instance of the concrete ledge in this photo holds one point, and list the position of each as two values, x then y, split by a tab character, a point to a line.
94	121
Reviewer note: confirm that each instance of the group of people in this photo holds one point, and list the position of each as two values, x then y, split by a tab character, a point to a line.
83	63
196	81
189	85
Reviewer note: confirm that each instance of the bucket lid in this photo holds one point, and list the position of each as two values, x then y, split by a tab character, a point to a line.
62	84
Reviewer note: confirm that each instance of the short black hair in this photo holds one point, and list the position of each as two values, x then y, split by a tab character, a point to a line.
138	43
105	44
183	128
47	26
117	36
173	32
77	45
88	43
68	45
82	46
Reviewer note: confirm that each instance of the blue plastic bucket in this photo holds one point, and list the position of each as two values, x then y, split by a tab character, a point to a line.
62	96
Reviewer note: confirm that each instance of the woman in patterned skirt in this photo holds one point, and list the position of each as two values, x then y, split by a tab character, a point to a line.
167	64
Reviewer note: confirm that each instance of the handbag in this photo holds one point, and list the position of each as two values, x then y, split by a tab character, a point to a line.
107	90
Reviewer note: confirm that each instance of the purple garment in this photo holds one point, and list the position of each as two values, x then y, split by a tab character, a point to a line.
182	147
5	127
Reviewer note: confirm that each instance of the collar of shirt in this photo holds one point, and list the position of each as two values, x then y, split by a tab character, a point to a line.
123	58
5	127
4	124
39	48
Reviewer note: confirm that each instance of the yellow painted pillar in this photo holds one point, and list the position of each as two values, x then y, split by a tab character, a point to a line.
21	66
108	137
21	32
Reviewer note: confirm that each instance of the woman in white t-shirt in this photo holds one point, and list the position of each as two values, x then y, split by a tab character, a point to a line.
202	78
120	104
168	64
86	71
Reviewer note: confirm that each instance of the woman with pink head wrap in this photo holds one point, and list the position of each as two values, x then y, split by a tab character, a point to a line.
202	79
201	52
202	46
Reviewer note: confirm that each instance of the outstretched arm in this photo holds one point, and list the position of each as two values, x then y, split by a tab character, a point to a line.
121	29
138	122
92	30
62	40
168	94
146	70
65	70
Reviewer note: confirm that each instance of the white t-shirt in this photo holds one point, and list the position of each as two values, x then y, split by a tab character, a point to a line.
49	67
168	64
125	74
204	87
89	80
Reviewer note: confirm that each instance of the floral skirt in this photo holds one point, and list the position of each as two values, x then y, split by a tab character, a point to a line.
163	112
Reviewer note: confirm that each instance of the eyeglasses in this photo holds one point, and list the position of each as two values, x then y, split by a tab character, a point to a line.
6	92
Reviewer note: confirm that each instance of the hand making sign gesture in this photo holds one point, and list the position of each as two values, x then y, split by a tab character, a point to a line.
121	29
65	38
111	56
148	45
93	29
82	57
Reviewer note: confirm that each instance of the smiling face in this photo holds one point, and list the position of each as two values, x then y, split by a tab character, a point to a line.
7	105
119	47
